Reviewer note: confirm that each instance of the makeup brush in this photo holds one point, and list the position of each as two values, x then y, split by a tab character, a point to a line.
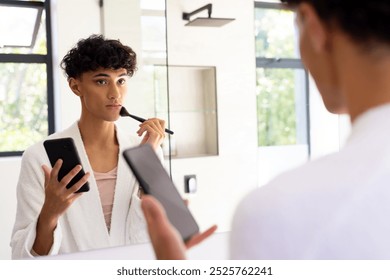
124	113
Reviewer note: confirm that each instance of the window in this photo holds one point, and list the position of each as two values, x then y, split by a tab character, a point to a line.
282	93
282	88
153	27
26	84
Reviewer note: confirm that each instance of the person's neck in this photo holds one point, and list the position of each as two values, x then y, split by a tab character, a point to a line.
365	80
97	133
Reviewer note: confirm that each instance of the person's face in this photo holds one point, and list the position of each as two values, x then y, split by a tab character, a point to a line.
101	92
318	56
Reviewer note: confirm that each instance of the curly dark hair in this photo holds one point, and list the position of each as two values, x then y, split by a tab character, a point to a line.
96	51
364	21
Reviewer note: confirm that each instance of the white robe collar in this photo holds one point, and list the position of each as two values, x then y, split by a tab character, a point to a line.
85	216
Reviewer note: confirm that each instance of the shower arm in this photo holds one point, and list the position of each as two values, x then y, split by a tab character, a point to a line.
208	7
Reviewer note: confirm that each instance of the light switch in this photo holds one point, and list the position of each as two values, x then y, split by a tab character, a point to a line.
190	184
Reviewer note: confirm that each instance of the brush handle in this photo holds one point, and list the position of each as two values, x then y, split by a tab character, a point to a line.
142	120
136	118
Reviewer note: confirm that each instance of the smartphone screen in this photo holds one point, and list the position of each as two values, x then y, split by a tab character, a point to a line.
65	149
154	180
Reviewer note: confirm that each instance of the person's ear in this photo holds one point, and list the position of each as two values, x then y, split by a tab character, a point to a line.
316	31
74	86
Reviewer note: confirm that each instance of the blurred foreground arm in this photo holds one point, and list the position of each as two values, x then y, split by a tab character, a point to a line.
166	240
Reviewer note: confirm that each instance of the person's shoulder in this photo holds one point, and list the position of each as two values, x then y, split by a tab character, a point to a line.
37	149
297	187
70	131
276	212
33	149
311	174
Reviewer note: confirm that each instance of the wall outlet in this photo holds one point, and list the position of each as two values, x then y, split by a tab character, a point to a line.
190	184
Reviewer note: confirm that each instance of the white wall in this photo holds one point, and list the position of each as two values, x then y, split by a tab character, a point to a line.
73	20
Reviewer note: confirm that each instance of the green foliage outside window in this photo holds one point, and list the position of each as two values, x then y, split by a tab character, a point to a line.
23	105
276	113
23	97
276	107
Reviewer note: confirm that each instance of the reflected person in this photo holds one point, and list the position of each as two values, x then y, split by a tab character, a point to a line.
335	207
52	219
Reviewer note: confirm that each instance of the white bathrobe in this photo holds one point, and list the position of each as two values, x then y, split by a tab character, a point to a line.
82	227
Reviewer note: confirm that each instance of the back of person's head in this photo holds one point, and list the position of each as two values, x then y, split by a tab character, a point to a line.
98	52
365	21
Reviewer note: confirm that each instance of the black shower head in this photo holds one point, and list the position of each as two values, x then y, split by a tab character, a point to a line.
205	21
209	22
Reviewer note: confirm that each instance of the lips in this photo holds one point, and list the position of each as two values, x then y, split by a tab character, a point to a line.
114	106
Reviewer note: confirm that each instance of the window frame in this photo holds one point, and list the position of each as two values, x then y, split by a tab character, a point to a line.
286	63
35	58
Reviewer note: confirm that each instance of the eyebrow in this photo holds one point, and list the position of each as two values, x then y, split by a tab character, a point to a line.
106	75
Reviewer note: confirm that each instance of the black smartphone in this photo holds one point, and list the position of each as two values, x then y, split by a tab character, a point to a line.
154	180
65	149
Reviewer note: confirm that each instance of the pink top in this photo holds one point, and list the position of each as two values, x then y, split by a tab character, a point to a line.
106	185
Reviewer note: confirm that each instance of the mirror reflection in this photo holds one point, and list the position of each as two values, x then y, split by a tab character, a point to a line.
219	145
57	230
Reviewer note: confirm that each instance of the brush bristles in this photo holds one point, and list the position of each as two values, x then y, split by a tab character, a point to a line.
123	112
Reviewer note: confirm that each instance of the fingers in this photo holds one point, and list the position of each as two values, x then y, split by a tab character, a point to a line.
167	242
46	172
51	177
56	168
51	174
57	197
198	238
68	177
80	183
153	211
155	131
152	124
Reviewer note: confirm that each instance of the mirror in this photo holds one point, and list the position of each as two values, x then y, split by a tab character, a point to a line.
139	24
226	173
233	164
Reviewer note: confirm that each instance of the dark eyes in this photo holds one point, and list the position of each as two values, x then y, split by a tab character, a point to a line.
122	81
102	82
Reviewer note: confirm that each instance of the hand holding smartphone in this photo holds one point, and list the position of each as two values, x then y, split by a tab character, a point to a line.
155	181
65	149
